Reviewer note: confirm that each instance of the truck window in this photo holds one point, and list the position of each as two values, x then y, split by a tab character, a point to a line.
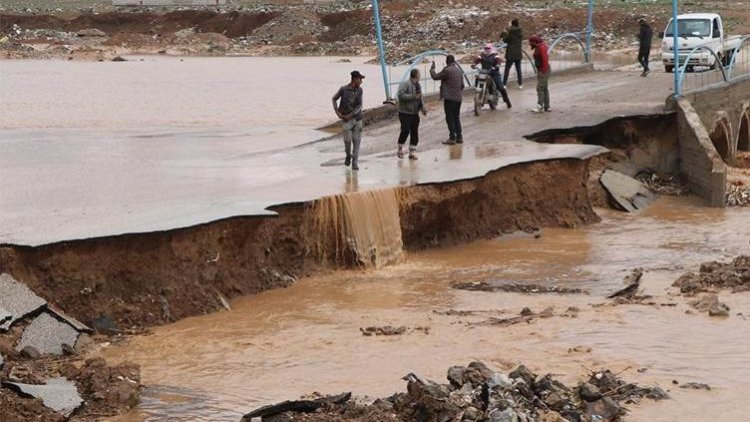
690	28
717	31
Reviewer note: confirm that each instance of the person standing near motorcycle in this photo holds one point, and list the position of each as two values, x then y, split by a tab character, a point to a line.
489	60
513	38
452	93
543	70
409	106
349	110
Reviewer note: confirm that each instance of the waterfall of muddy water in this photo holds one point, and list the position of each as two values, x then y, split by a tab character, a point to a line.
281	344
365	226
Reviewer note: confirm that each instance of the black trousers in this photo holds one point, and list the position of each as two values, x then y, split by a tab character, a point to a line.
495	74
453	118
508	65
409	129
643	60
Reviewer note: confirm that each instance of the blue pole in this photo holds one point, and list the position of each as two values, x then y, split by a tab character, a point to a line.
676	50
589	30
381	50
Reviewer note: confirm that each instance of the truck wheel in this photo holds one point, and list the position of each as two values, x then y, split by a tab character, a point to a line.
668	68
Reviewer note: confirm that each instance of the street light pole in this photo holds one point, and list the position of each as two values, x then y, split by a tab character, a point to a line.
589	30
676	50
381	49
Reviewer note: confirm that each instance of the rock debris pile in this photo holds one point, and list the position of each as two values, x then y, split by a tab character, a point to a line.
712	276
38	345
477	393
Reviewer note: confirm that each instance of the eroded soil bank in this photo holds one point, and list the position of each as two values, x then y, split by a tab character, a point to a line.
142	280
286	343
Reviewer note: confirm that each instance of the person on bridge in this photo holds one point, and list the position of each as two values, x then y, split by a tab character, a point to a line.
452	93
645	36
513	38
489	60
543	70
349	110
409	106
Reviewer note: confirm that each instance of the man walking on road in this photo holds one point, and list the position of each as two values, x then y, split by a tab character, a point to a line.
452	93
645	36
543	70
513	38
349	110
409	106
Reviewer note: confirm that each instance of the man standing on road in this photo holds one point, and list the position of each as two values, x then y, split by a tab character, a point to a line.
409	106
349	110
645	36
513	38
452	93
543	70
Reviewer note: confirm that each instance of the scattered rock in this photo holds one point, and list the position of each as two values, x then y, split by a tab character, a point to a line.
91	32
119	59
30	352
710	303
385	330
734	276
589	392
105	325
514	288
696	386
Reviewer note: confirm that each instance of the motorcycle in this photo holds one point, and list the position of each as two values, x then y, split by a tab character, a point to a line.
484	91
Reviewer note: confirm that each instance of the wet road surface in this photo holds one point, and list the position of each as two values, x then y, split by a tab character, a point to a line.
155	157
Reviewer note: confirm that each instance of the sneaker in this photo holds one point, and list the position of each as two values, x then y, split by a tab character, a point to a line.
521	86
400	152
460	140
413	156
355	167
547	110
538	109
449	142
348	160
645	73
509	105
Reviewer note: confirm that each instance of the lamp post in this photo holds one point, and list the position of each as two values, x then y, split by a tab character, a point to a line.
381	49
589	30
676	50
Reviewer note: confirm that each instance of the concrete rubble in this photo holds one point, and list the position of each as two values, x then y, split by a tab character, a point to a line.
47	334
58	394
478	393
733	275
17	300
627	192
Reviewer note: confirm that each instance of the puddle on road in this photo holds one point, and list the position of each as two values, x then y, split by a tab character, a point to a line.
284	343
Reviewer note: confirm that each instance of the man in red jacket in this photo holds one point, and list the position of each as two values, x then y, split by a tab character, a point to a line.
541	60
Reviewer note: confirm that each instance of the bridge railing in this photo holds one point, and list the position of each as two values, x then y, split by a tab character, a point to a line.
566	51
696	70
739	63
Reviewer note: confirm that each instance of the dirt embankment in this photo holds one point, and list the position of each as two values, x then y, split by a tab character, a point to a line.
149	279
337	28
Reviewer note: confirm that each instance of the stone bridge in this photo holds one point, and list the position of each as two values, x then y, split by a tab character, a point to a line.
714	125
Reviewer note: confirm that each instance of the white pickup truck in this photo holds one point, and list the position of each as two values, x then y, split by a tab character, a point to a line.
696	30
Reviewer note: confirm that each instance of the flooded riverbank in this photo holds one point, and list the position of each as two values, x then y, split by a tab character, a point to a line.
283	343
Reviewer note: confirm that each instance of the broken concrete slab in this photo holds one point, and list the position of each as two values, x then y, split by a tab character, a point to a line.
5	315
78	325
48	334
58	394
628	193
17	299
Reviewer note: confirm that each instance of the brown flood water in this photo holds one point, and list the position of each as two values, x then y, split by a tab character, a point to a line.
285	343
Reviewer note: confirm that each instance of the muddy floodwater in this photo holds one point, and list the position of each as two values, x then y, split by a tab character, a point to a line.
285	343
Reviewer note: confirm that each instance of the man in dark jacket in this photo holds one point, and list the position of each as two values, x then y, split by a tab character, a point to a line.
645	36
452	93
513	38
410	104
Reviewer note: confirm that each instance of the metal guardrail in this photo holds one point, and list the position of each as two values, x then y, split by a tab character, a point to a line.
735	65
560	62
